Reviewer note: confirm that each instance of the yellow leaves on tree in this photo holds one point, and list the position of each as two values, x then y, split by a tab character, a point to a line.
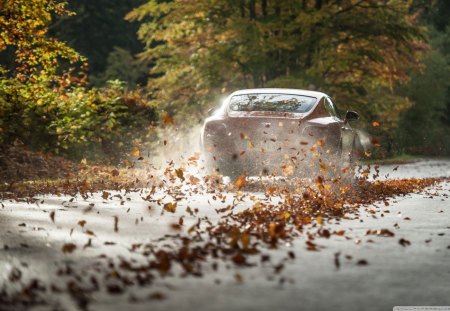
21	20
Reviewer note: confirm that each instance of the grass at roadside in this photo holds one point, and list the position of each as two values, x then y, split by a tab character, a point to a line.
25	173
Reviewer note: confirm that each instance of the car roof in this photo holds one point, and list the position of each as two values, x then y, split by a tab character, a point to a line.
280	91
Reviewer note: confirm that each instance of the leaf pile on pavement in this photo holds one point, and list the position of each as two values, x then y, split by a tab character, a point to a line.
290	211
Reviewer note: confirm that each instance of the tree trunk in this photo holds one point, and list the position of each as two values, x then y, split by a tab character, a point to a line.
264	7
318	4
252	7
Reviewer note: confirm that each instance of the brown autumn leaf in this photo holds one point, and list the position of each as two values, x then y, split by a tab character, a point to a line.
381	232
193	180
81	223
240	182
362	262
115	173
105	195
323	167
90	232
135	152
170	207
339	232
68	248
167	119
320	143
311	246
337	263
156	296
116	224
52	216
180	174
239	259
404	242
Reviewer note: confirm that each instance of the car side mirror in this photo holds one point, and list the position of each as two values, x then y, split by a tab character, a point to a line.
351	116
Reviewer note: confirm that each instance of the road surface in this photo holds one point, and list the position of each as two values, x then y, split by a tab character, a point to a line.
352	272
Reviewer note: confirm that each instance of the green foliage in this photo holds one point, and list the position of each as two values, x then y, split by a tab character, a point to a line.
356	51
24	28
122	65
54	111
425	127
97	124
101	123
96	30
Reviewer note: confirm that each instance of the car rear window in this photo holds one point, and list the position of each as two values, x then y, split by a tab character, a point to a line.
272	102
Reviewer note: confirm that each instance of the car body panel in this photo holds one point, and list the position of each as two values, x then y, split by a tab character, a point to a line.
252	140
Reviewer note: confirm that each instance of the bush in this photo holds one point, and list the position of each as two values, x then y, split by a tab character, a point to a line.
98	123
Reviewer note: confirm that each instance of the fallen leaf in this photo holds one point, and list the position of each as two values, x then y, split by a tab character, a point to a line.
404	242
362	262
105	195
68	248
116	224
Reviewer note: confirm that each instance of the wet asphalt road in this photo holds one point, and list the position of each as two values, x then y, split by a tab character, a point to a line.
396	275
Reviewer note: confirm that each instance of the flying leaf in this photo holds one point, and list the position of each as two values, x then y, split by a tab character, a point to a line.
167	119
135	152
179	173
240	182
116	224
170	207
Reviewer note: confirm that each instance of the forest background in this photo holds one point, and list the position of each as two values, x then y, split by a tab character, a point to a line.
97	80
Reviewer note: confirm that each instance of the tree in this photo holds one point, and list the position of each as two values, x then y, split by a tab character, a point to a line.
425	127
26	86
49	108
356	50
422	128
96	30
24	31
